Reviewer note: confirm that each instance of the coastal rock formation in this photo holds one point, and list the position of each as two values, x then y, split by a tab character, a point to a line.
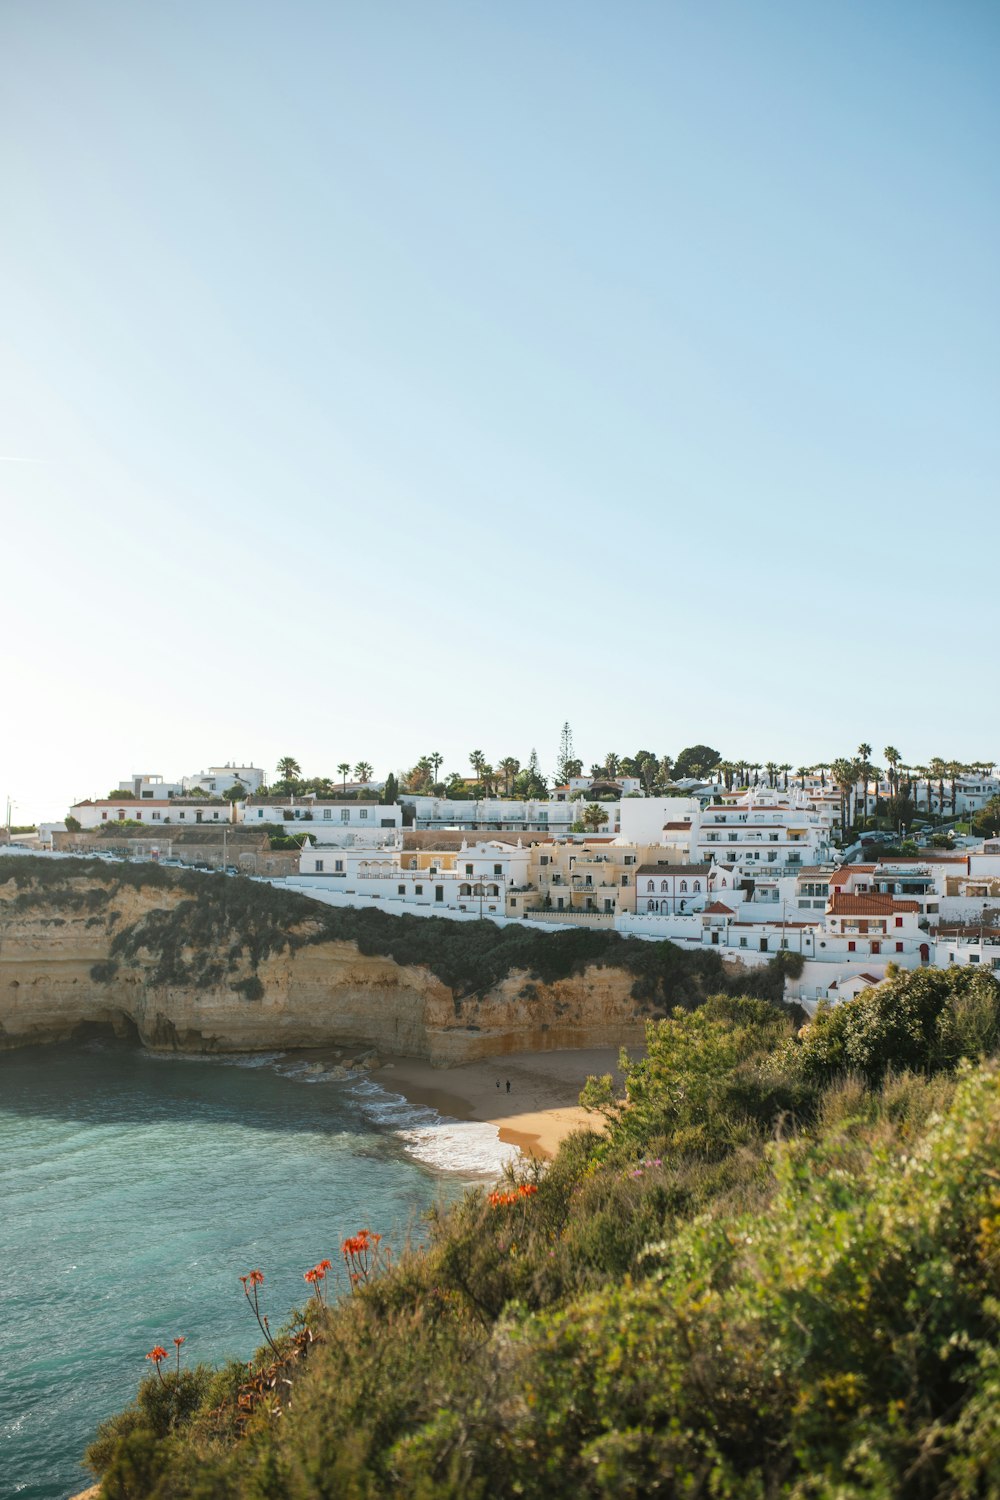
87	950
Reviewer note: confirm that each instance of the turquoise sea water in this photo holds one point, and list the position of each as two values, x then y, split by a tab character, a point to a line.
134	1190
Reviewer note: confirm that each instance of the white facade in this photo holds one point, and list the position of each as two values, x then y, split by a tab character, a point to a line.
642	819
342	823
220	779
474	880
146	786
157	812
503	815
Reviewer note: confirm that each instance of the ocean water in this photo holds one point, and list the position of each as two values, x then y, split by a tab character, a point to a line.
135	1190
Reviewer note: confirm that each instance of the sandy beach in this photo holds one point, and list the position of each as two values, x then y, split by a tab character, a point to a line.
541	1108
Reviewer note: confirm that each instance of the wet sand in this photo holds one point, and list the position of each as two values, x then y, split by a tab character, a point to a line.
541	1109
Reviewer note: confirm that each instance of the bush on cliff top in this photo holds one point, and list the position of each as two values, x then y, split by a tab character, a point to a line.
247	920
759	1282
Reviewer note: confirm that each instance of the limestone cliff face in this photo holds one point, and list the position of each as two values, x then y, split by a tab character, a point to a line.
56	981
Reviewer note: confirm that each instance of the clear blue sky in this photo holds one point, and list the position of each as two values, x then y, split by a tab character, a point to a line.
388	378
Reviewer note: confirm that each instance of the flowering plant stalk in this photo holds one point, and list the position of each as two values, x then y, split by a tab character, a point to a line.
361	1256
251	1281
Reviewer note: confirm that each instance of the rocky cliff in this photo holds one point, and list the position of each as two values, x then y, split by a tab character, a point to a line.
202	963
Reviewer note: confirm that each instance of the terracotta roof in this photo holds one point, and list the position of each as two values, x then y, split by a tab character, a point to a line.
841	875
677	825
868	906
718	910
673	869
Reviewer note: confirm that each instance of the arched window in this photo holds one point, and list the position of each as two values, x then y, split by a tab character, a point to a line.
650	885
465	890
684	885
650	905
663	885
697	885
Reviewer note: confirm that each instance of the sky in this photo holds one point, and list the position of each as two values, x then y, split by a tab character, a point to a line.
380	379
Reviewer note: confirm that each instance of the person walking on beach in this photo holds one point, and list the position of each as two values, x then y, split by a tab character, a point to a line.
508	1085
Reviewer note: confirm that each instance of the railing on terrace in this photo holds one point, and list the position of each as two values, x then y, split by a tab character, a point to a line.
568	914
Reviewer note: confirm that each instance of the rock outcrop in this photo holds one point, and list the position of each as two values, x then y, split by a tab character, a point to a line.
60	978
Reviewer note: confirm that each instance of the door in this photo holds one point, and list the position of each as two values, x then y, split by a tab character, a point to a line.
439	893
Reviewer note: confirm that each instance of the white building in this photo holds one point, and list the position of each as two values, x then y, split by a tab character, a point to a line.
344	823
503	815
474	879
187	812
219	779
144	785
642	820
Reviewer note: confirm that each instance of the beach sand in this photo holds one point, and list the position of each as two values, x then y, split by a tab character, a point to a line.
541	1109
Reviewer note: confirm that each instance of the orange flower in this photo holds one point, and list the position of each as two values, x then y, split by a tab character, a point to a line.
157	1354
309	1275
179	1342
255	1278
325	1265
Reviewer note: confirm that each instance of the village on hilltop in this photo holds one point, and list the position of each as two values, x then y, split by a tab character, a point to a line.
845	867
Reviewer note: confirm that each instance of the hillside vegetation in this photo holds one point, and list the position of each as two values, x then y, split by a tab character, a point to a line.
222	923
775	1273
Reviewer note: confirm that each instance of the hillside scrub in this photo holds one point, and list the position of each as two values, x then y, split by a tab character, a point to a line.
223	922
773	1274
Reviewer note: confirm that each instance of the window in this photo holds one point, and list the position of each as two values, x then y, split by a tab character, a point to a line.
663	885
363	813
696	886
345	814
418	890
439	893
650	885
468	869
260	812
104	816
328	812
401	890
973	958
899	947
156	816
743	942
498	869
338	865
138	813
545	859
683	885
183	815
319	867
852	947
629	859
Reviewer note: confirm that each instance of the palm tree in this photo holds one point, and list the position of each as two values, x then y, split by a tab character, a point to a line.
772	772
363	772
594	817
477	761
802	773
436	759
344	768
612	764
845	775
288	768
864	770
955	770
784	769
938	769
665	770
508	769
893	761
